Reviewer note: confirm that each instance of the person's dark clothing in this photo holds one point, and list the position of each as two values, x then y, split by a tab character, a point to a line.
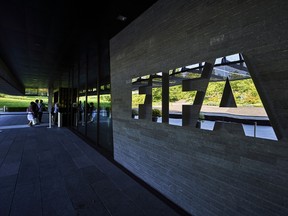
40	110
35	110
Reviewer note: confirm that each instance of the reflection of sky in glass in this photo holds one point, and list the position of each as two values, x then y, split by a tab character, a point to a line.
194	65
234	57
231	58
233	71
159	73
223	68
145	77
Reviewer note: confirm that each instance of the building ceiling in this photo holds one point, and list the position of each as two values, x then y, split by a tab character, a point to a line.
37	37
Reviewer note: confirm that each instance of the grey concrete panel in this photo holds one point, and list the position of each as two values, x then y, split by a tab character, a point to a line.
8	169
5	202
206	172
44	177
114	200
59	205
27	200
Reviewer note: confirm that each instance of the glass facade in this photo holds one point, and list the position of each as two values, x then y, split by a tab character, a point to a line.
90	79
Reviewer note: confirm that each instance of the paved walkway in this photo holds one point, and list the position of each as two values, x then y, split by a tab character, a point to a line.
245	111
51	171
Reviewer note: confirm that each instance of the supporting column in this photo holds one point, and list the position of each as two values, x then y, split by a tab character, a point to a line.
50	94
190	113
145	110
165	98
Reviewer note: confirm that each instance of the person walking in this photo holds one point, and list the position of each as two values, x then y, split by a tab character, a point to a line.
92	112
80	111
35	112
55	115
30	113
41	107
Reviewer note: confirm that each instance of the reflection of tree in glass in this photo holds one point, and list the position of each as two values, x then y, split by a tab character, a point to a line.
244	92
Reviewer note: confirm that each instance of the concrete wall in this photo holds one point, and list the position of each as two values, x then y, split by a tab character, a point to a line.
206	172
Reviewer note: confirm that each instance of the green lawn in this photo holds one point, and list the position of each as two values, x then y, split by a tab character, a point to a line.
19	101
